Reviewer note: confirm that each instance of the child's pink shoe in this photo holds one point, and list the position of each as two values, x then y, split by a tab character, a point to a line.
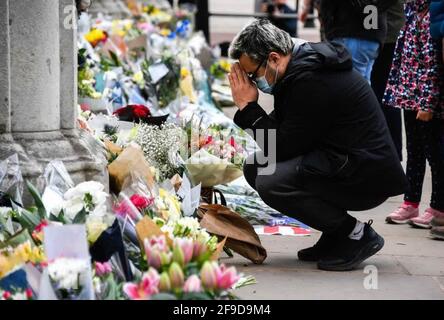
424	221
403	214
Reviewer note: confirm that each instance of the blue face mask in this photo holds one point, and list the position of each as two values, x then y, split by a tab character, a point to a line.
262	83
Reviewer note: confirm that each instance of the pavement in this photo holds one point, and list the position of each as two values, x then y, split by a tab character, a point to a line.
410	266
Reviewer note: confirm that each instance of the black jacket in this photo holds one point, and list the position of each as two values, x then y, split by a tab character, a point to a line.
341	19
326	112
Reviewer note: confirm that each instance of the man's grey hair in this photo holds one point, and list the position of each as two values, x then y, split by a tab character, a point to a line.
258	39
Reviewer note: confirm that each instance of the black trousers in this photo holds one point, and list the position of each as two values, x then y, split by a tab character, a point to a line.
380	74
425	142
316	202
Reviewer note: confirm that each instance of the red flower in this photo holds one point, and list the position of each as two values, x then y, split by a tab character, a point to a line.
232	142
42	225
141	202
133	113
28	293
7	295
141	111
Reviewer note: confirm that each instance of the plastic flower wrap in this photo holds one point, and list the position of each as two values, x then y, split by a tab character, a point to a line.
217	155
167	205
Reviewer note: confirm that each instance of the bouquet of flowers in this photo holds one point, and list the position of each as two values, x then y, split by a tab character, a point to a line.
160	145
217	155
181	268
68	277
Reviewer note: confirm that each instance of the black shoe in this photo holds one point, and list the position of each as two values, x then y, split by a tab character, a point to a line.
320	250
349	253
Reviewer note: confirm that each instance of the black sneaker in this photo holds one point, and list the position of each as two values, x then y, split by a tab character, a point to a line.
349	253
320	250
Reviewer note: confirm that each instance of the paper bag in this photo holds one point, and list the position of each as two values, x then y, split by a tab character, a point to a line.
241	237
129	161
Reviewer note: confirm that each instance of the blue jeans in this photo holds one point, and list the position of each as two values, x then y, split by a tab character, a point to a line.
364	54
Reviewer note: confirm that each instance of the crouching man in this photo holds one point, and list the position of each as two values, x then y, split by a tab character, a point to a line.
333	151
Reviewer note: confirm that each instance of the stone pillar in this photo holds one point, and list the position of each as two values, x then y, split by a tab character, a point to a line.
5	93
38	116
68	64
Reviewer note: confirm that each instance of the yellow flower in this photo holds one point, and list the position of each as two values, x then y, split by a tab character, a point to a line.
225	65
165	32
94	229
138	78
128	25
95	36
5	266
184	72
171	209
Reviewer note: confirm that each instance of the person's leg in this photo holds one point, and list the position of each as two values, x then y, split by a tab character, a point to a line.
434	145
416	158
432	133
379	78
435	155
284	192
364	54
416	166
349	241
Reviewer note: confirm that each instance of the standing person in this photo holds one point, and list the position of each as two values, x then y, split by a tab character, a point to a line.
333	151
415	85
344	22
381	71
437	32
273	7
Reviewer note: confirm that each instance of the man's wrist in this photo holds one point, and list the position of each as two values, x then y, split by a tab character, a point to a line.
246	105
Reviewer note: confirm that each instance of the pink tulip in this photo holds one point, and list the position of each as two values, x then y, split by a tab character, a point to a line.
165	282
187	247
226	277
148	287
155	251
199	249
102	269
192	284
208	276
176	275
154	259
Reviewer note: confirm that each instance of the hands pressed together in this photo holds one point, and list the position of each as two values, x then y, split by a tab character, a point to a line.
243	89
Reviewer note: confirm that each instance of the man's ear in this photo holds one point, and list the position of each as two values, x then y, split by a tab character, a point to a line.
275	57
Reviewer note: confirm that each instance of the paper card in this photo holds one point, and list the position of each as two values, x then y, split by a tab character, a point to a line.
34	277
147	228
15	280
158	71
190	196
67	241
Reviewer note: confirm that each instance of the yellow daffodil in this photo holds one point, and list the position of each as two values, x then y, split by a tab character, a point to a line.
165	32
138	78
225	65
184	72
95	36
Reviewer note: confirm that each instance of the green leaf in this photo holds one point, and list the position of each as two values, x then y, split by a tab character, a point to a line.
28	219
115	59
37	200
80	218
